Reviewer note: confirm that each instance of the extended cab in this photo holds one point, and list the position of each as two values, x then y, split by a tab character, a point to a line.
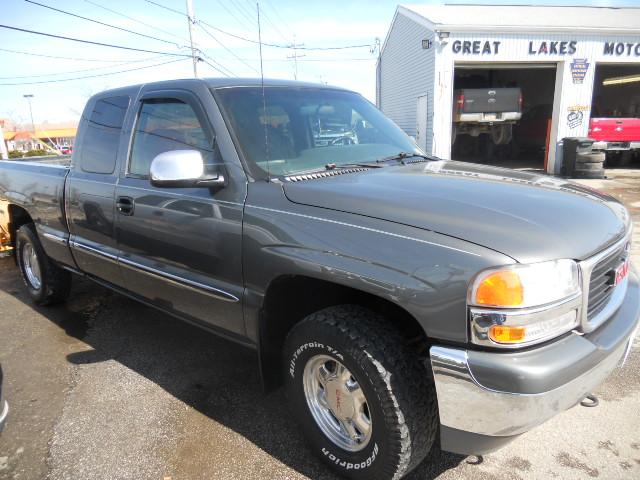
397	296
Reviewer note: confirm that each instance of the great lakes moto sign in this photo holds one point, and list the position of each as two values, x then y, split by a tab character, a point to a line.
543	47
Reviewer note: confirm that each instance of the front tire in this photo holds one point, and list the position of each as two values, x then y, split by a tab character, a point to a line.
46	282
364	399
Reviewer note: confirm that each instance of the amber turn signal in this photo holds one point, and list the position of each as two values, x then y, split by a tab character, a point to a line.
502	288
506	334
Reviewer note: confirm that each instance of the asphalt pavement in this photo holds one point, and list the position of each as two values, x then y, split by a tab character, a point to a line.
105	388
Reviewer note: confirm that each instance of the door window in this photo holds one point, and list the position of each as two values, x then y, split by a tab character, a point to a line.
164	125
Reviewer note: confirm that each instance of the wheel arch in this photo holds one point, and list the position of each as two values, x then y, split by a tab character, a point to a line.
290	298
18	216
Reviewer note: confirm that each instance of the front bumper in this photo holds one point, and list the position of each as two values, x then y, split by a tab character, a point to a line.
486	398
4	412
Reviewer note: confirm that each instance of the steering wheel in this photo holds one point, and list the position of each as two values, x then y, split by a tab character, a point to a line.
343	140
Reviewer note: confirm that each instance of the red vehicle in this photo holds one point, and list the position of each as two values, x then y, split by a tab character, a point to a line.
615	134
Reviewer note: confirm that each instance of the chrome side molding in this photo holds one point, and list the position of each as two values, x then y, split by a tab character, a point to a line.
180	281
56	238
169	277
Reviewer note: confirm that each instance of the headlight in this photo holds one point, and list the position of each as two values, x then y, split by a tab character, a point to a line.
521	305
519	286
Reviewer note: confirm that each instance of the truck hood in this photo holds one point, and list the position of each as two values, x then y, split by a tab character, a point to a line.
528	217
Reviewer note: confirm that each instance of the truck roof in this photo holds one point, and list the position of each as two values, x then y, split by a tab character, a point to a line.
221	83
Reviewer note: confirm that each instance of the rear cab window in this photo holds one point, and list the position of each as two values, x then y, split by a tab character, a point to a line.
102	135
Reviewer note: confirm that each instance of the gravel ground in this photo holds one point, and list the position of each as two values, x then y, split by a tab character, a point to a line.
105	388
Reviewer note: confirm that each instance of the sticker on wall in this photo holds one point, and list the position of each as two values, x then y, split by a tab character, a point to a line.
574	119
579	68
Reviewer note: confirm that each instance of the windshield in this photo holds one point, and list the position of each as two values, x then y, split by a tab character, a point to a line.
306	129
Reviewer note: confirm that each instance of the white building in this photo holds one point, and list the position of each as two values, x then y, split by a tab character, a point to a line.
558	56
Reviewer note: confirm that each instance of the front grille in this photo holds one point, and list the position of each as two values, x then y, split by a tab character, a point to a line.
601	282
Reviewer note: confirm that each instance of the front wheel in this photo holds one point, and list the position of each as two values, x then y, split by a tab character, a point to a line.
364	399
46	282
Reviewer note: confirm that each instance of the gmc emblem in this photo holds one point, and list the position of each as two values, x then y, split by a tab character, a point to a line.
620	273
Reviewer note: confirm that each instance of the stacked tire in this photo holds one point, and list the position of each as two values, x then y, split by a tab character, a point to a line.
589	165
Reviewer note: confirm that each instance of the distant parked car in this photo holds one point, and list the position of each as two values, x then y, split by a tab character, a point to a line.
66	150
4	406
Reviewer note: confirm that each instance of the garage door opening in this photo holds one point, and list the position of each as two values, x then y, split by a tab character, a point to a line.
502	113
615	113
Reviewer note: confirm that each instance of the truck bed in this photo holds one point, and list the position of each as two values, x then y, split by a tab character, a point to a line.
39	188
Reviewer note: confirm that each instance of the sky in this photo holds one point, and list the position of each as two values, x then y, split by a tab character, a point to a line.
313	25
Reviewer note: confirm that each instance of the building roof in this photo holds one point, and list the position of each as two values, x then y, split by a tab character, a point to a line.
56	132
41	134
525	18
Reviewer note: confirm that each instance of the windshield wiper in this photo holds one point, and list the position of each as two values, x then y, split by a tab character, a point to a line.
333	166
401	156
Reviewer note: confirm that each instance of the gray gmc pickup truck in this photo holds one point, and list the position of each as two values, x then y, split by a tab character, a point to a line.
398	297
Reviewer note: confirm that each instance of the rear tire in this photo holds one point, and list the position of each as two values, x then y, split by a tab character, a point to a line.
593	174
591	157
46	282
501	134
392	388
588	166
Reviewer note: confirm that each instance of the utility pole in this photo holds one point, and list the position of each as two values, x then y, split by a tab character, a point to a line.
29	96
295	56
191	19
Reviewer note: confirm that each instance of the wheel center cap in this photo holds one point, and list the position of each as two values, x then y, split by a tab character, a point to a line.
340	399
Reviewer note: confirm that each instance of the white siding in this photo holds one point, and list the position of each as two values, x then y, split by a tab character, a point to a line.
406	71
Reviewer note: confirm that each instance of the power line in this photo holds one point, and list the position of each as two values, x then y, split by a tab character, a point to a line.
304	59
220	68
226	48
240	22
83	70
122	47
268	19
275	10
243	12
136	20
94	76
69	58
167	8
103	23
344	47
239	37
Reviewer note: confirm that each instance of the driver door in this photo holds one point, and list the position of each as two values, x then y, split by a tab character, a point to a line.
180	247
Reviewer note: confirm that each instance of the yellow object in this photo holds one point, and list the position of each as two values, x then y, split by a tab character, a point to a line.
502	288
5	239
506	334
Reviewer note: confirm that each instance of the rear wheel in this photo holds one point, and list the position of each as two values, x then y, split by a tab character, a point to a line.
364	399
501	134
46	282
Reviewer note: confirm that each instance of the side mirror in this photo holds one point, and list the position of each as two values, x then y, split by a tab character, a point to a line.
182	168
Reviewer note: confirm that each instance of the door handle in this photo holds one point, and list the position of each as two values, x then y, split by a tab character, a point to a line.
125	205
